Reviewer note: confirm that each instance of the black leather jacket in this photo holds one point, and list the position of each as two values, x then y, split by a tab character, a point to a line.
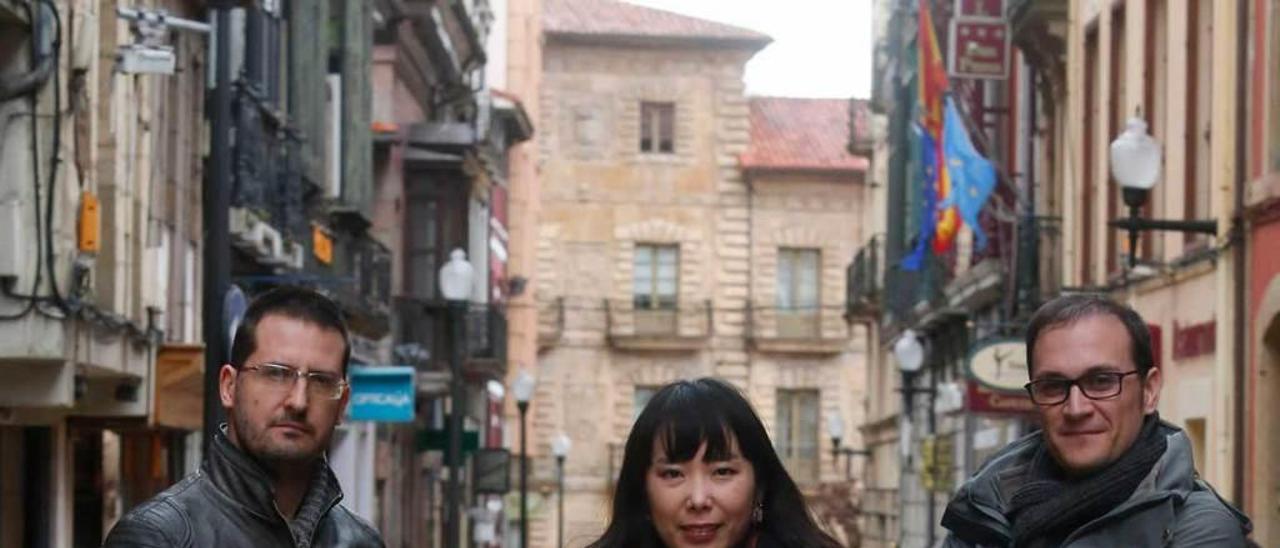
228	503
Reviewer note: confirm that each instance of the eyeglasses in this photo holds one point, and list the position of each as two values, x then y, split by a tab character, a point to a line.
1095	386
283	378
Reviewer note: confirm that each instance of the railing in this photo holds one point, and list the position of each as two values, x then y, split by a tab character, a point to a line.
363	265
864	279
550	322
268	164
683	322
425	323
816	324
487	333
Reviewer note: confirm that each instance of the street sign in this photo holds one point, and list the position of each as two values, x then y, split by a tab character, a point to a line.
492	471
999	364
382	394
979	48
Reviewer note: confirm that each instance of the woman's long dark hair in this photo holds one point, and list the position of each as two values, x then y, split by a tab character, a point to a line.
684	415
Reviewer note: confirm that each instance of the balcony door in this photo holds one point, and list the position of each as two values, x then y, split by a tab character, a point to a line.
797	298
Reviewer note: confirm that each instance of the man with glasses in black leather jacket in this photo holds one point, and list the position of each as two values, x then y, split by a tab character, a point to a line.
1104	470
265	480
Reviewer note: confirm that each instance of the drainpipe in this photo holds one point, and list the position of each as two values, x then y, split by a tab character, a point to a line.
1237	238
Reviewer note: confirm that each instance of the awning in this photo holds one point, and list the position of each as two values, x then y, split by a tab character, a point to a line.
180	386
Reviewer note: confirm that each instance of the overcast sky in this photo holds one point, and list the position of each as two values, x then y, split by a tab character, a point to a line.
821	48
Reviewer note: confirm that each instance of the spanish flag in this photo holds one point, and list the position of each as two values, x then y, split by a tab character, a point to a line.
933	86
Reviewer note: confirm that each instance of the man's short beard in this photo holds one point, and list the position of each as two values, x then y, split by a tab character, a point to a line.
256	443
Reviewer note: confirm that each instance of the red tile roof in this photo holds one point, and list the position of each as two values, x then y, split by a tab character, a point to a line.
611	20
803	135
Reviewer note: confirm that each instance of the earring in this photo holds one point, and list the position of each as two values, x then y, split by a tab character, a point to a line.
757	513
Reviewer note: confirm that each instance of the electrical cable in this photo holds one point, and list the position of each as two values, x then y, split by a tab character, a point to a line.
54	154
36	17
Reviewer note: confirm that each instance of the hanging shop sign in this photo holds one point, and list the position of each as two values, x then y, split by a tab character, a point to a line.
979	42
382	394
999	364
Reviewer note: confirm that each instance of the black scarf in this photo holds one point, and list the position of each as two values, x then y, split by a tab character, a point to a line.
1046	505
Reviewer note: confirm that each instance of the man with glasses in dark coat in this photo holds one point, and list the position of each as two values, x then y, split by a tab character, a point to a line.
265	480
1104	470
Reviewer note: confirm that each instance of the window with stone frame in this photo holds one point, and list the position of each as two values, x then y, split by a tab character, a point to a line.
796	433
641	399
657	127
798	290
655	288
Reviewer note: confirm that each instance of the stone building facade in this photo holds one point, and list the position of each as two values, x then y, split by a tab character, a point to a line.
671	207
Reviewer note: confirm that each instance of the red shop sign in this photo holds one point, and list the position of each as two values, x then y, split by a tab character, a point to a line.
979	48
981	399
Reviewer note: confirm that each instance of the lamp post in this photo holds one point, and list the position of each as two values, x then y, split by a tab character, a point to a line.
909	351
1135	165
835	429
560	447
456	277
523	390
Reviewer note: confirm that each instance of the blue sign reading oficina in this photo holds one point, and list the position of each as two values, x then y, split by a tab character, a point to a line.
382	394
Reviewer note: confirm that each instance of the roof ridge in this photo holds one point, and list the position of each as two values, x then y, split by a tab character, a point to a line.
617	19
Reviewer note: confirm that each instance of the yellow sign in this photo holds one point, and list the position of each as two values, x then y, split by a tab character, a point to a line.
937	470
321	245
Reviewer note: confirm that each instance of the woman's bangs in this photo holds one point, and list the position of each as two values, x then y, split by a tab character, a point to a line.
686	427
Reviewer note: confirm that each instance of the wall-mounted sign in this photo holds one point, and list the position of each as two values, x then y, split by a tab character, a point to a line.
999	364
382	394
981	399
979	48
980	8
492	468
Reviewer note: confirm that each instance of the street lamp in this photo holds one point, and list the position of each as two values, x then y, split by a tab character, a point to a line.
1135	165
835	429
522	387
456	277
560	447
910	354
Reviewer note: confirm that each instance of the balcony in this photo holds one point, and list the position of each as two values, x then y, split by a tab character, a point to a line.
363	266
425	324
863	281
550	322
268	165
812	330
685	326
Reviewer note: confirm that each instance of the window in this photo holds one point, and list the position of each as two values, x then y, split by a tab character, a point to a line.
1088	169
1199	114
1117	114
798	292
657	127
655	280
642	396
1274	83
797	433
655	277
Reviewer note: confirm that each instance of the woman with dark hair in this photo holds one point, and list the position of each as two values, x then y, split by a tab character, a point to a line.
699	470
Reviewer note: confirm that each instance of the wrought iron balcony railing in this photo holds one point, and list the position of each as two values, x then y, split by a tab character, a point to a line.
865	279
424	324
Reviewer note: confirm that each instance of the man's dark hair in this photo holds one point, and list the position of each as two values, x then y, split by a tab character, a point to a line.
292	302
1068	309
